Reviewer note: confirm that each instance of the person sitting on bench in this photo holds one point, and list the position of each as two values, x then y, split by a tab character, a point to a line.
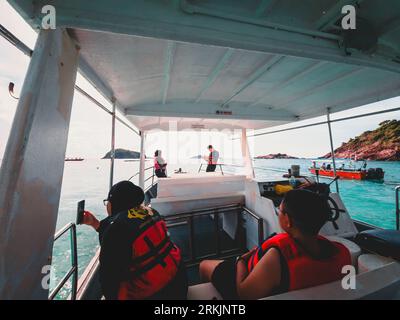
295	259
160	165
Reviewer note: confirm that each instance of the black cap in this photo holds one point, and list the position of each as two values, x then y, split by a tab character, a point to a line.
125	195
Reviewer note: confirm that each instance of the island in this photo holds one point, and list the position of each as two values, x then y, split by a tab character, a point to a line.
381	144
123	154
276	156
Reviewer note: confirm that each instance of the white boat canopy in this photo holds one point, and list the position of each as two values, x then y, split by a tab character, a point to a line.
230	64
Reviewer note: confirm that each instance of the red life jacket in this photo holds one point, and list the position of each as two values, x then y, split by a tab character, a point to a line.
156	165
304	270
155	259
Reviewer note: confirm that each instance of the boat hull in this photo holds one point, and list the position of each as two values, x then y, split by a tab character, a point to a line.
351	175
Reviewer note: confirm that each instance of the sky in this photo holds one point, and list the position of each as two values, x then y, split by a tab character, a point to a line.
90	127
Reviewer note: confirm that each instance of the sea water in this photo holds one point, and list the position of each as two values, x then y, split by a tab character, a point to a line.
367	201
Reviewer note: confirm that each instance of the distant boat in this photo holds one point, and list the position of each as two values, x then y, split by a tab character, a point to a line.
350	172
74	159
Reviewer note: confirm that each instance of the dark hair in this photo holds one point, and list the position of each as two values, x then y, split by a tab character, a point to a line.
124	195
308	210
156	153
210	146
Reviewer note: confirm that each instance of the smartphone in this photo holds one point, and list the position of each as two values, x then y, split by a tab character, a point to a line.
80	210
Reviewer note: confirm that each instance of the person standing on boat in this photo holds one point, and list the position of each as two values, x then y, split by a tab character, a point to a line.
138	260
212	159
314	164
293	260
160	165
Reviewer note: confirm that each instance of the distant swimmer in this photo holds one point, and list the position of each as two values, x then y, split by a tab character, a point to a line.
212	159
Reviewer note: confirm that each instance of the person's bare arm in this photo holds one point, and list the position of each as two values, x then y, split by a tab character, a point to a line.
261	281
241	266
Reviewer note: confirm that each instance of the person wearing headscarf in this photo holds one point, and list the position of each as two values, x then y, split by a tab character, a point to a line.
160	165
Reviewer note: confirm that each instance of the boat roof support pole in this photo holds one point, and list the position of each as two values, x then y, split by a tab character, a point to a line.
248	163
112	153
32	170
142	159
328	121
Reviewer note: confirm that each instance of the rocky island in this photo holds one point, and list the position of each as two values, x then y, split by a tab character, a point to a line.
382	144
123	154
276	156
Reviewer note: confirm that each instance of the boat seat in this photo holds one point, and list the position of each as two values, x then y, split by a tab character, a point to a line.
369	262
203	291
381	283
344	225
379	241
354	249
173	205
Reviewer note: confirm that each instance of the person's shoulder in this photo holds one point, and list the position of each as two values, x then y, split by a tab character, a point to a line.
117	221
272	259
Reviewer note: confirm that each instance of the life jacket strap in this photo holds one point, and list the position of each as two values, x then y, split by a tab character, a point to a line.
152	252
159	260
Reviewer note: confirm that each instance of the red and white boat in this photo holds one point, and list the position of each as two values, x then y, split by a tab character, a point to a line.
352	171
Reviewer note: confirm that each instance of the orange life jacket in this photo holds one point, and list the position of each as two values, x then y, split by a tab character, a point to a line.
304	270
155	259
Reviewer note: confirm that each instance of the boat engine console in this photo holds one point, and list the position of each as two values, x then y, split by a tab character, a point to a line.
269	190
275	190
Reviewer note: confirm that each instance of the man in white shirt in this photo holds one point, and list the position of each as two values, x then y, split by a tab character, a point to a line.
212	159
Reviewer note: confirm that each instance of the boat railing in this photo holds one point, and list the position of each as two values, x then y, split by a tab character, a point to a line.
73	271
187	218
148	178
397	208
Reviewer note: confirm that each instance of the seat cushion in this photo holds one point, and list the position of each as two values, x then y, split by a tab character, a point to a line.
382	242
369	262
382	283
203	291
353	248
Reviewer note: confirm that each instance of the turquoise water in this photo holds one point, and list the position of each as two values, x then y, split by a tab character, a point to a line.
367	201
